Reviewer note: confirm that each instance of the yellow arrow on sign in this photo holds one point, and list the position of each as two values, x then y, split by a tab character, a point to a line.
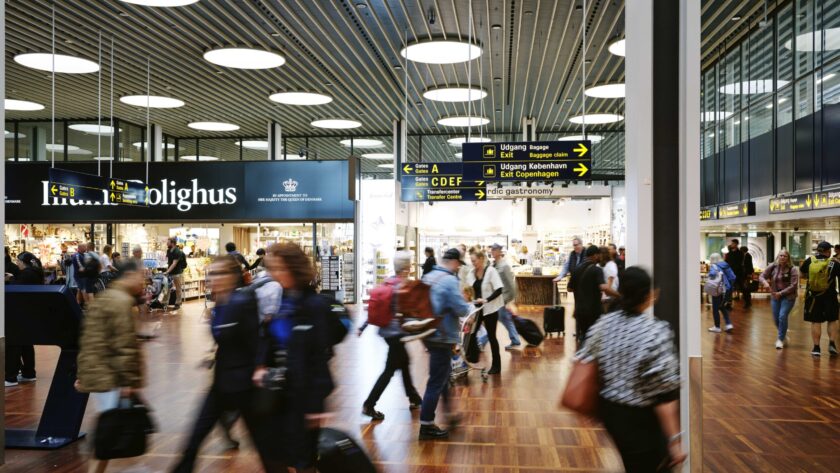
745	208
53	189
147	195
581	169
112	184
480	194
419	195
479	183
581	150
407	169
808	200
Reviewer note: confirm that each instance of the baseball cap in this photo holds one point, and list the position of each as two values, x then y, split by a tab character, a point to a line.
592	251
824	245
453	254
496	246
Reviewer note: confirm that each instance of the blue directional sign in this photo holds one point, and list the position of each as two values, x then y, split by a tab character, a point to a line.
77	186
439	182
121	191
528	161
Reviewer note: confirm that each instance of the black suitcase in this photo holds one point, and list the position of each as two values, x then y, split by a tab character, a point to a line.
528	330
338	453
554	320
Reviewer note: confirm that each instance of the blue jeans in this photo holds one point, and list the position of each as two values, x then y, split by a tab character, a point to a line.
718	306
440	367
781	309
506	319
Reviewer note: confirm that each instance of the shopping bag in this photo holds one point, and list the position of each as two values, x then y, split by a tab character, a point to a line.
581	393
121	432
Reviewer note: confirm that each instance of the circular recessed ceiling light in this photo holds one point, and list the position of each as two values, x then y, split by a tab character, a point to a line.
78	151
606	91
463	121
300	98
712	116
617	47
751	87
92	129
103	158
596	118
441	51
192	157
9	135
22	105
140	145
806	42
592	138
454	94
363	143
386	166
161	3
60	147
213	126
244	58
63	64
336	123
258	145
378	156
458	141
153	101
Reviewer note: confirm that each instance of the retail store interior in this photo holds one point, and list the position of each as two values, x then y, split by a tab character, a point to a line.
678	137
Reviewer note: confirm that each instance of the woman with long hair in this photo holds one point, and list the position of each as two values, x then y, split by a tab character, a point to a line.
640	378
487	288
782	278
610	269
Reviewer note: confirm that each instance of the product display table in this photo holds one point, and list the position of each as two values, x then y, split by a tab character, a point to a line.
535	290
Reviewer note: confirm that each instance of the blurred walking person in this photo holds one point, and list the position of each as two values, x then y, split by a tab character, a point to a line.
176	263
821	304
720	269
749	274
782	279
589	283
508	295
430	262
610	269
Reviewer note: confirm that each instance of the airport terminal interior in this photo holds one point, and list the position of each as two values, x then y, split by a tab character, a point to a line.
591	235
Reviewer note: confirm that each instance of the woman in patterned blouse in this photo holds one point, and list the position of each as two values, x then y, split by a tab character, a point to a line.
782	278
640	378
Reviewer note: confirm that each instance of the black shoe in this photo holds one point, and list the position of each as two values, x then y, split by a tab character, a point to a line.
832	349
495	370
373	413
432	432
816	350
453	421
415	403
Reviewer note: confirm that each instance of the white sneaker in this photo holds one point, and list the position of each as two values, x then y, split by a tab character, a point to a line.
417	325
418	336
787	340
10	384
714	329
22	379
729	327
779	344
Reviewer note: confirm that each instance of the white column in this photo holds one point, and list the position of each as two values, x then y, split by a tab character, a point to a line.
154	138
638	131
275	141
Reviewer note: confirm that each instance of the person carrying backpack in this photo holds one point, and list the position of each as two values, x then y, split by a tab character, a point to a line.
782	278
91	267
381	312
719	284
821	304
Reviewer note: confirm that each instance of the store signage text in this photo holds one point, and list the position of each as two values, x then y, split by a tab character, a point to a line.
168	194
528	161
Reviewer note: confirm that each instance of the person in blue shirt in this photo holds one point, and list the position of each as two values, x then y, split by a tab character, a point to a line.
448	305
718	266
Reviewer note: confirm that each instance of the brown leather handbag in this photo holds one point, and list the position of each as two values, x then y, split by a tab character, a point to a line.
581	394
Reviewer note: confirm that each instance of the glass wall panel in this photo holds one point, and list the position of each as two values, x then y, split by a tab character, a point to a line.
730	86
297	148
709	143
830	84
329	148
804	31
222	149
784	107
36	141
732	135
10	141
804	97
709	94
188	148
761	118
254	149
828	35
132	139
761	62
88	140
784	47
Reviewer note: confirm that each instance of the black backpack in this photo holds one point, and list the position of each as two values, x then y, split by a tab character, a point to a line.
121	432
91	265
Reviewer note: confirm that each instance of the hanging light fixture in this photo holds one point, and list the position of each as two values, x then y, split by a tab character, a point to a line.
153	101
454	94
606	91
596	119
213	126
22	105
336	123
64	64
462	121
300	98
441	51
244	58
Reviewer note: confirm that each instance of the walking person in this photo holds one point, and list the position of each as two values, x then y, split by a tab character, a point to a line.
487	289
20	359
720	269
640	379
589	283
106	259
398	359
508	296
821	304
110	362
782	278
616	256
749	274
258	263
735	260
430	262
176	264
230	247
576	259
448	306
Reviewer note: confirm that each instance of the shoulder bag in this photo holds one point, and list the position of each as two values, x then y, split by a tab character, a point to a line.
581	393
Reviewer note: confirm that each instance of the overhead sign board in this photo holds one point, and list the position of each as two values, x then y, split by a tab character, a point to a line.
826	200
804	202
429	169
439	182
66	184
745	209
534	191
528	161
127	192
709	213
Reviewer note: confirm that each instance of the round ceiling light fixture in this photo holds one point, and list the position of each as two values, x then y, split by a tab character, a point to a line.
441	51
22	105
64	64
592	138
378	156
751	87
386	166
103	158
78	151
258	145
596	118
454	94
10	135
153	101
161	3
60	147
300	98
140	145
458	141
213	126
363	143
463	121
336	123
714	116
192	157
606	91
93	129
244	58
617	47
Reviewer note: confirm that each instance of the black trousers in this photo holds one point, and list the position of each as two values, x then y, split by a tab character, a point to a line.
745	291
397	360
20	359
215	405
637	435
490	322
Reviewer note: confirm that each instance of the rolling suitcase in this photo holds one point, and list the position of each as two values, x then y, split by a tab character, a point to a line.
339	453
554	317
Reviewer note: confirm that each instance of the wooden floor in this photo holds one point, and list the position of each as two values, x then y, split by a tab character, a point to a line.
765	410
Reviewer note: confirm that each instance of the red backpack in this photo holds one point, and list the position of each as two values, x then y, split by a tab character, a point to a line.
381	304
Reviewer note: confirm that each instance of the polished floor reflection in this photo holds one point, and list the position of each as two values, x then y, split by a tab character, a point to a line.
765	410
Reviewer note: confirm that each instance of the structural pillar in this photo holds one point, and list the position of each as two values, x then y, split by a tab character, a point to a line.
275	142
3	234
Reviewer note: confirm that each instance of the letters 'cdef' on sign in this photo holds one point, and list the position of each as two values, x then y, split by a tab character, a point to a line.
528	161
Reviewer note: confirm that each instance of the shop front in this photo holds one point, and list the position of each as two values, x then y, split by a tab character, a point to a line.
202	205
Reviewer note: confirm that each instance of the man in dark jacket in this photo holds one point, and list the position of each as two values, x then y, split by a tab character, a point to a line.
735	259
588	281
430	262
749	272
